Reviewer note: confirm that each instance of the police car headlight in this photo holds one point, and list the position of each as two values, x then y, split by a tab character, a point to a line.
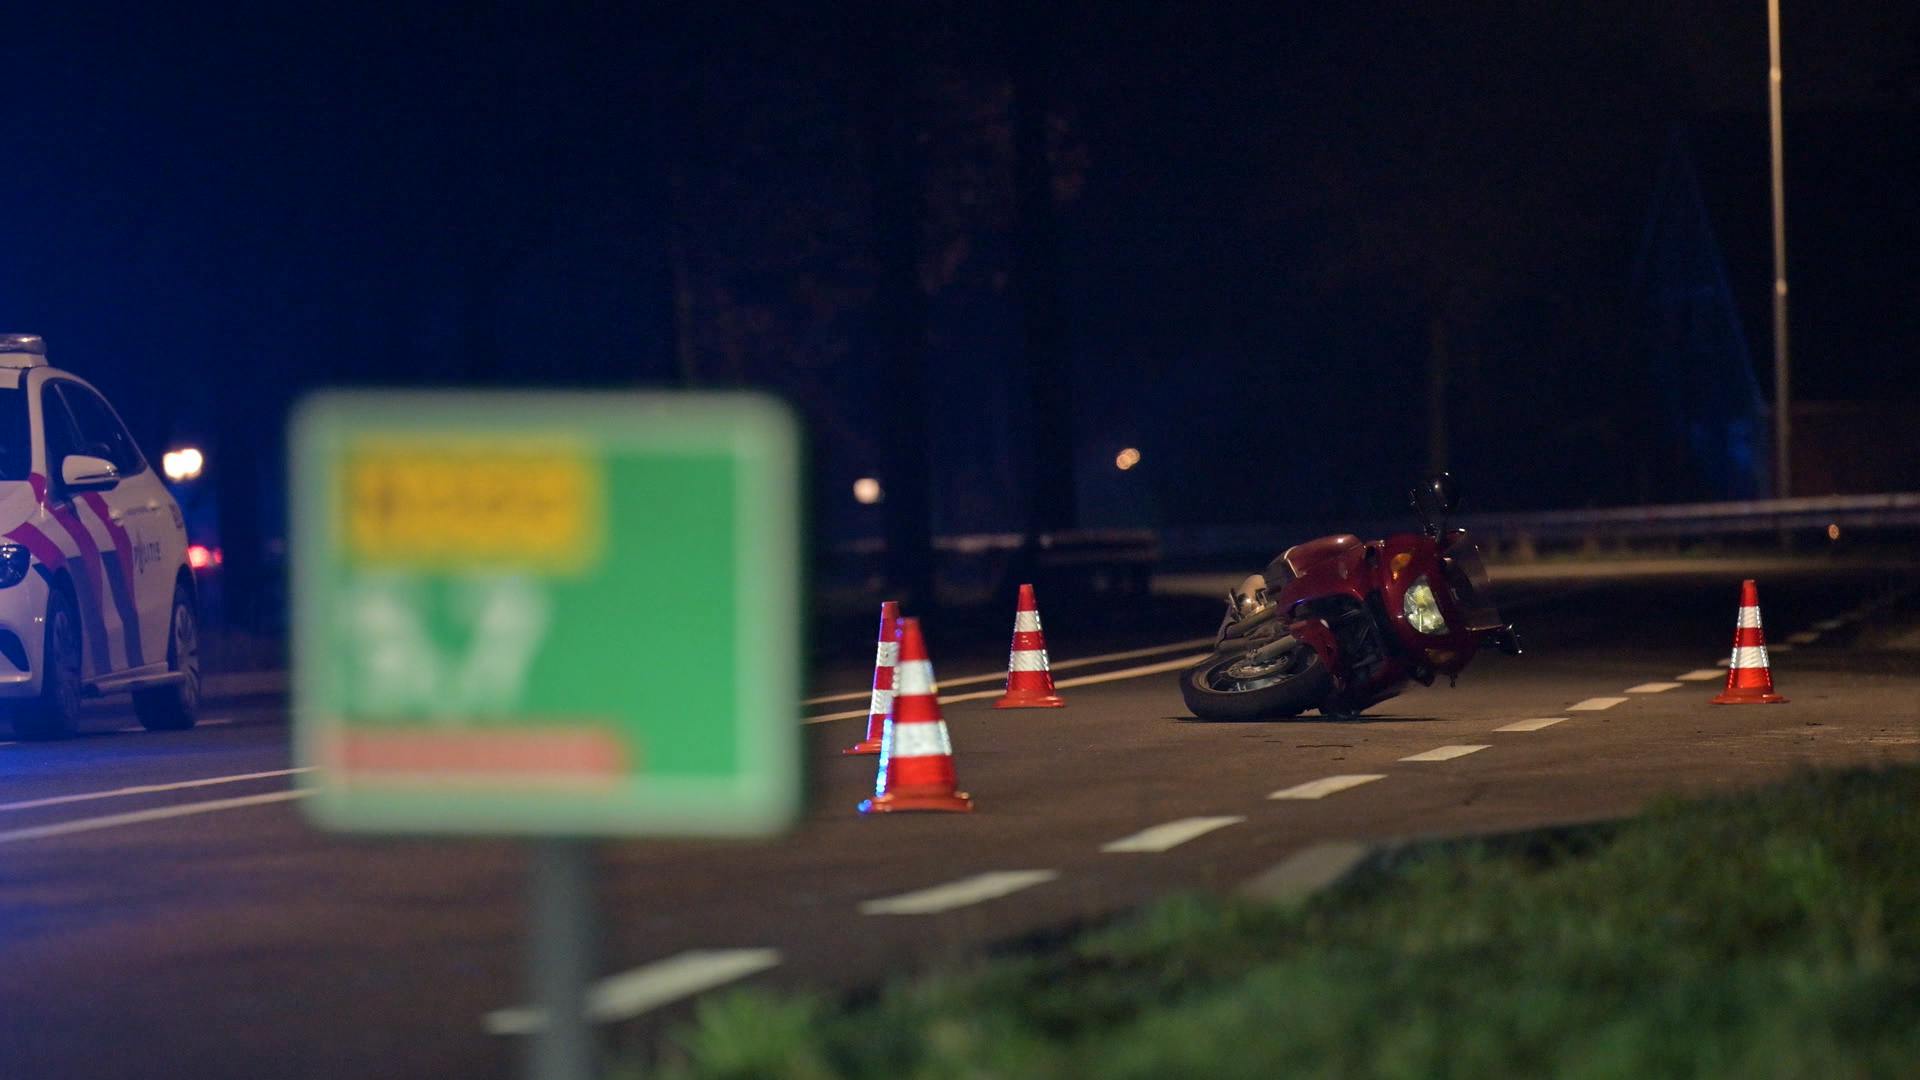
14	562
1422	610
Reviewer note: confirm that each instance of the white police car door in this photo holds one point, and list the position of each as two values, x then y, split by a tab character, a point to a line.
134	612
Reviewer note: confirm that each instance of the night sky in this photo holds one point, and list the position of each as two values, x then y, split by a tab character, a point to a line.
1265	217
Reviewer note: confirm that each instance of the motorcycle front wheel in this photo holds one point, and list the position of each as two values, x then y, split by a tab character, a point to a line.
1241	685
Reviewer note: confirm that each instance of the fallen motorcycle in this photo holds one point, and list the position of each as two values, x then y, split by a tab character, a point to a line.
1340	624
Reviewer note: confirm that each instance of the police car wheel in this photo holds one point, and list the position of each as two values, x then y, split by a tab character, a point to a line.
53	714
175	707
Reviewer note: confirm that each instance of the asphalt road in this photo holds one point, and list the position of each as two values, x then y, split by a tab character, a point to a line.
164	910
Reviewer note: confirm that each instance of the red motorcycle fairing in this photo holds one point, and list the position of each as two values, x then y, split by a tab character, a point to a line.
1302	558
1328	596
1408	558
1320	638
1339	624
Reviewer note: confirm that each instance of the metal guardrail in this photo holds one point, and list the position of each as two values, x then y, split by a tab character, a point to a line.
1756	517
1063	544
1101	559
1702	520
1705	519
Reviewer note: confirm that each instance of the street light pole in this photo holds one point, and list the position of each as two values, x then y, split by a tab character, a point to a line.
1782	388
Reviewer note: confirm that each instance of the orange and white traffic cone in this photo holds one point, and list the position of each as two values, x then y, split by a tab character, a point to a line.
1029	681
1749	677
885	653
916	758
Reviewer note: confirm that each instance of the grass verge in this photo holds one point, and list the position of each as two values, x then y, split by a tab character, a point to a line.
1774	933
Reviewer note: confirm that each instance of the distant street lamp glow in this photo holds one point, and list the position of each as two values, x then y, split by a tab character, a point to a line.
1126	459
1833	531
182	464
866	491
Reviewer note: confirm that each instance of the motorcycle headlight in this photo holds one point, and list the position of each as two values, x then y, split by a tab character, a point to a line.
1422	610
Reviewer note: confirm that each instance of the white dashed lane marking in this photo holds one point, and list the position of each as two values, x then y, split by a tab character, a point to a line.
1532	725
630	993
1170	835
1701	675
1595	704
973	890
1445	753
1326	785
1804	637
1826	625
1654	687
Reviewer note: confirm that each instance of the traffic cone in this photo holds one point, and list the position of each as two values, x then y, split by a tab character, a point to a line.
886	652
1029	682
916	757
1749	678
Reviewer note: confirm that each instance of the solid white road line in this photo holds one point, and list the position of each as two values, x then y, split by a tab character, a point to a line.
1062	684
1170	835
1595	704
973	890
1445	753
1058	665
1701	675
1128	673
839	716
630	993
1532	725
65	828
1654	687
1804	637
149	789
1326	785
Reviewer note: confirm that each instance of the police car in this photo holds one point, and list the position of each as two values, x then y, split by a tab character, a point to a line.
96	596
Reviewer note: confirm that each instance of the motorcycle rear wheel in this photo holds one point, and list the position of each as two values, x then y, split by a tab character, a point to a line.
1231	686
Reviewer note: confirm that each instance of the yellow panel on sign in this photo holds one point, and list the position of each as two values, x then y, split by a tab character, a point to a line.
528	505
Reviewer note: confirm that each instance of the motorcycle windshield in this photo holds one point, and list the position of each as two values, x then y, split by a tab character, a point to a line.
1467	576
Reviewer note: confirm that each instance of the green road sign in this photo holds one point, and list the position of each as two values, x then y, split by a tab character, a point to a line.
557	614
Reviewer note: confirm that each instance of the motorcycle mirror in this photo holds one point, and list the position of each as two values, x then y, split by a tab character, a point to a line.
1435	501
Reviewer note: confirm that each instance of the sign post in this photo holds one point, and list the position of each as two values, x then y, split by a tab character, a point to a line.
551	615
564	932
